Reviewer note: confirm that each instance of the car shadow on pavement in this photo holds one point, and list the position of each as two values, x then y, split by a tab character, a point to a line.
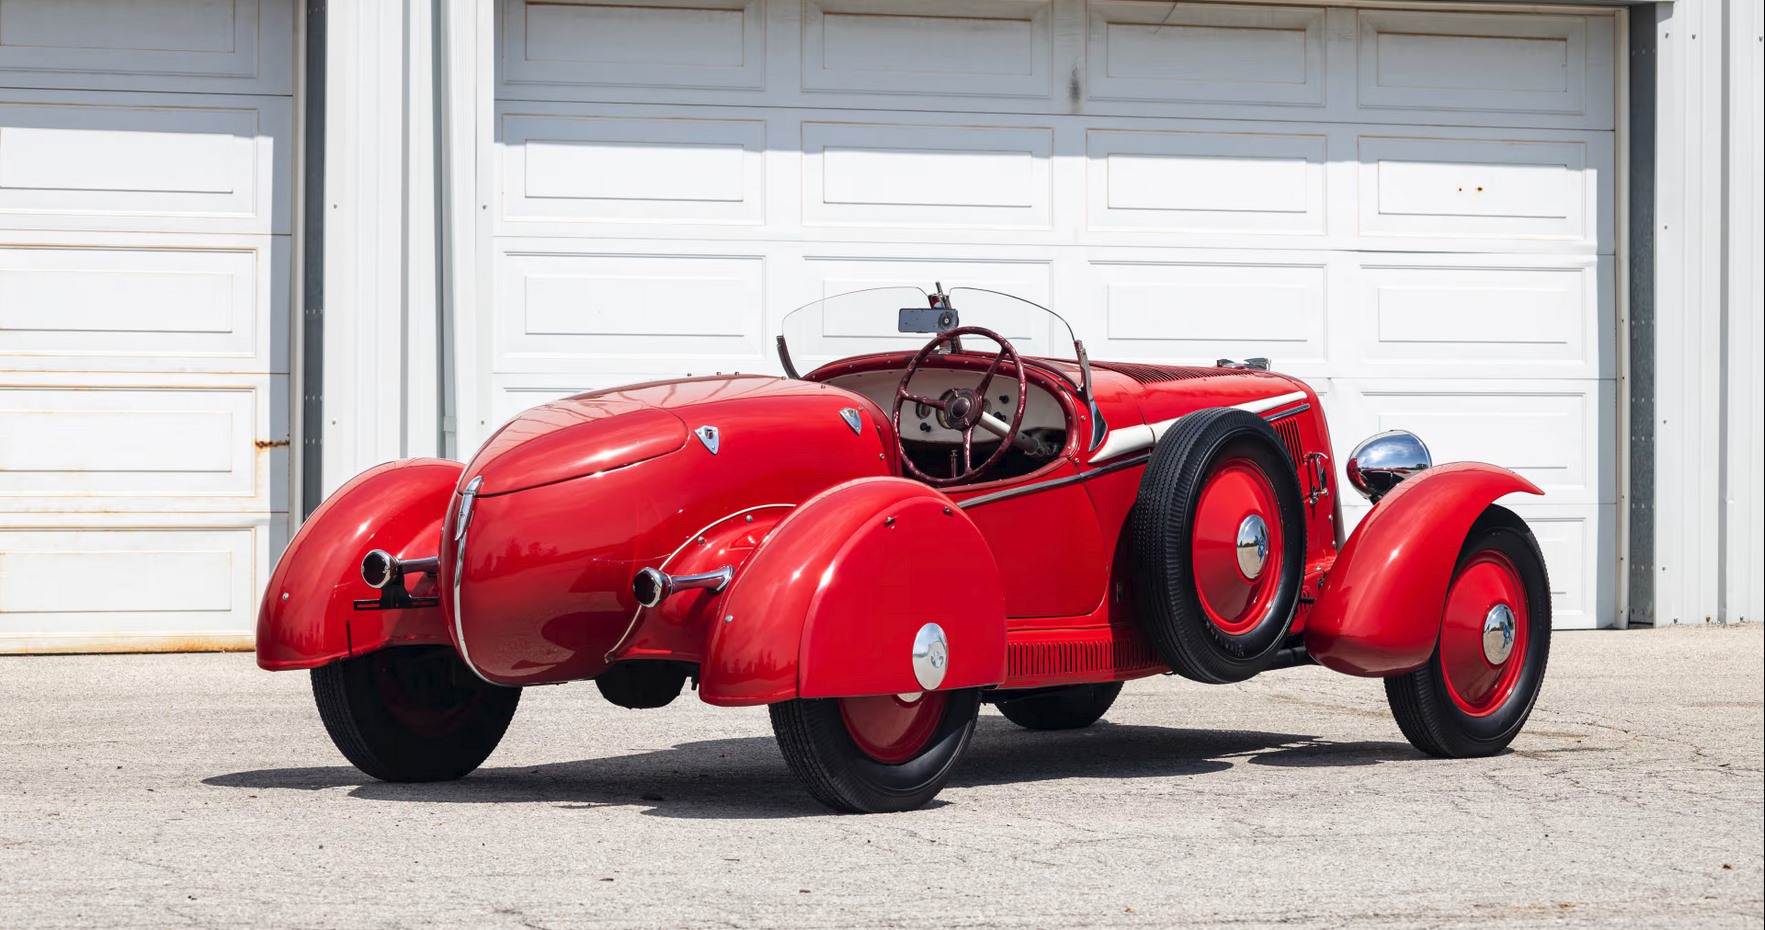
745	778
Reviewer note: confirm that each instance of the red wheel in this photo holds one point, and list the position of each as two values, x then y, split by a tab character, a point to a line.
875	754
1477	690
1483	633
891	729
1237	545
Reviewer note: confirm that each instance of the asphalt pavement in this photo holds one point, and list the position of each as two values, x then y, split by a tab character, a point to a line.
195	790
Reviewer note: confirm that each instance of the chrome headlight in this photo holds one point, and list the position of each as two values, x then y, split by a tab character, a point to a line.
1381	461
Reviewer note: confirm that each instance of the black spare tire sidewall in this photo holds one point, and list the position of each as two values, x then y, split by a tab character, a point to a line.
1163	521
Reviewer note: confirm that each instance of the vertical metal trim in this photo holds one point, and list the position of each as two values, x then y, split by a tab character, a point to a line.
444	408
1640	512
312	341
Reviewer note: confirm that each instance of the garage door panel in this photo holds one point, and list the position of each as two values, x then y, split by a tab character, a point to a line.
1206	181
104	445
1529	193
1482	316
1550	432
1205	53
149	587
140	304
1487	63
584	169
220	46
576	311
636	44
1198	312
932	47
118	162
145	259
920	176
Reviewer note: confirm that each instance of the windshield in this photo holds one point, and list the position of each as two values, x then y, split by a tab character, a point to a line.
903	319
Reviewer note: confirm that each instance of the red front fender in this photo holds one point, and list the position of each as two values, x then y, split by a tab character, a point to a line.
830	602
308	617
1379	611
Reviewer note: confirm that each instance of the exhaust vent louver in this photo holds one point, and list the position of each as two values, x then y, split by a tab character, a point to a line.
1288	429
1035	660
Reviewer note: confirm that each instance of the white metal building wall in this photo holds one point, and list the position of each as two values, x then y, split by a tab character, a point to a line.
145	255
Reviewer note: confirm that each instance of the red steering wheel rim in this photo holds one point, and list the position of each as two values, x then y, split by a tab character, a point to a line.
902	396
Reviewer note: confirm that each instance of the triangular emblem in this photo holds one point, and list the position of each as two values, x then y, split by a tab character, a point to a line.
853	419
708	436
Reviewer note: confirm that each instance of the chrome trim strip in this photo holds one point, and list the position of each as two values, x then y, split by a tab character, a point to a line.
1052	483
1135	438
1267	404
1287	413
637	615
468	498
1126	439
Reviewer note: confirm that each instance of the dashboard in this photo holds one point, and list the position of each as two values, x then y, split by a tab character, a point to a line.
1042	412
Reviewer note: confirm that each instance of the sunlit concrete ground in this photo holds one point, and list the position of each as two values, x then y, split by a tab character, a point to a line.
167	791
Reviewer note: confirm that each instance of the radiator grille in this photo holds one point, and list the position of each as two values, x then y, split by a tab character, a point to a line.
1154	374
1037	660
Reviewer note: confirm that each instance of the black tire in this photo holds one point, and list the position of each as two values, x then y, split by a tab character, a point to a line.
1068	708
1426	712
643	684
1161	524
812	735
414	713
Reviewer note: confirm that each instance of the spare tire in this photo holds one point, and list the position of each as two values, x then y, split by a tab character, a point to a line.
1218	545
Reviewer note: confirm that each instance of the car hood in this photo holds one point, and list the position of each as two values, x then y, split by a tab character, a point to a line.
602	430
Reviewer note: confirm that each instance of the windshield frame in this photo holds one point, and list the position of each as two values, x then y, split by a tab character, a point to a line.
938	298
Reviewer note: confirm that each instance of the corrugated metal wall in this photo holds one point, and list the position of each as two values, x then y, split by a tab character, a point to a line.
1743	588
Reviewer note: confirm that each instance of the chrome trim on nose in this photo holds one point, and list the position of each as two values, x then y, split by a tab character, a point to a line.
1253	546
463	522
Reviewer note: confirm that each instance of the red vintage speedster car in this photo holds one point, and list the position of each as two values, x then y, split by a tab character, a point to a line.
877	546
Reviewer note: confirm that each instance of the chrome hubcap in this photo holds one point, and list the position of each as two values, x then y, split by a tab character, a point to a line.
931	656
1253	546
1498	634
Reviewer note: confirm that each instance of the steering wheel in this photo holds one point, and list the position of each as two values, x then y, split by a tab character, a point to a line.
963	409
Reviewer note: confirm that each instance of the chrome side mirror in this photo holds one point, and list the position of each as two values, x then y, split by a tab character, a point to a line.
1381	461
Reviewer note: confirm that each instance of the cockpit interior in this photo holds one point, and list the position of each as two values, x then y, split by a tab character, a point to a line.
932	443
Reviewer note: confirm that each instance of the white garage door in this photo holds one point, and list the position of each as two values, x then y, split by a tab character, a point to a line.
1414	210
144	268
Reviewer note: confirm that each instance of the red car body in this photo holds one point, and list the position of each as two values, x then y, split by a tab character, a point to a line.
836	560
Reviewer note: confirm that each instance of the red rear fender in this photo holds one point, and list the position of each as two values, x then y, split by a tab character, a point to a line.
1378	613
308	617
831	602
